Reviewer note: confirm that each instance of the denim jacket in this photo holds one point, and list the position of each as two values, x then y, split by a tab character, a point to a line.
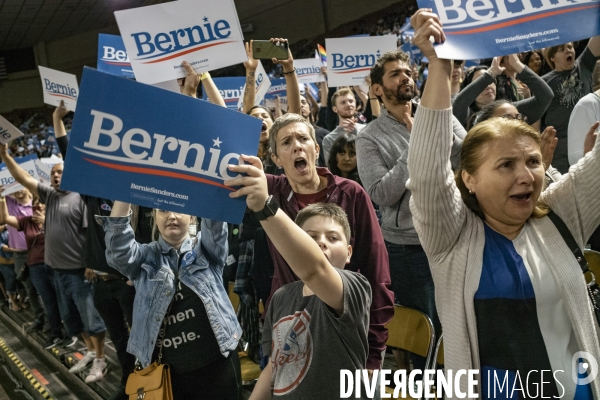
152	269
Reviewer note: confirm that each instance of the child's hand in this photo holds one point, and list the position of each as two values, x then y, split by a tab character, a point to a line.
254	185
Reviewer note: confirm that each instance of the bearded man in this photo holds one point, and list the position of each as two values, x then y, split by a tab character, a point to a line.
382	152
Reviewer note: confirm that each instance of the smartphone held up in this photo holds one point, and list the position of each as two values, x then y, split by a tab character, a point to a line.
266	50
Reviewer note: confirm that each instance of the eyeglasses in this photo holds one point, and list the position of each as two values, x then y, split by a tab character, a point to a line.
518	117
165	214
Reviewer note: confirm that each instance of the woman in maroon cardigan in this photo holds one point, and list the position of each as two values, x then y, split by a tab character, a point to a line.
294	148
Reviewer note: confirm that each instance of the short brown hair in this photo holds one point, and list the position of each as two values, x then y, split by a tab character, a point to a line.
471	157
341	92
378	69
549	52
328	210
284	120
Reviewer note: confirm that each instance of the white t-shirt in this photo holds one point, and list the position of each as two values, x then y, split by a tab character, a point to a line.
584	115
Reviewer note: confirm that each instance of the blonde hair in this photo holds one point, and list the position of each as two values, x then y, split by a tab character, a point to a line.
341	92
472	156
156	232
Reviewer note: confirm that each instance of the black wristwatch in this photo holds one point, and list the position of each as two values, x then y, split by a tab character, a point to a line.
271	207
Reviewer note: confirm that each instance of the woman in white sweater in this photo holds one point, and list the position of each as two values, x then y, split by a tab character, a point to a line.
511	296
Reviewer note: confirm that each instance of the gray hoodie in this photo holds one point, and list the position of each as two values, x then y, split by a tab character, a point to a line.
382	153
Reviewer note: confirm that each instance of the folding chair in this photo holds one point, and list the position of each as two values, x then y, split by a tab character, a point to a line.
438	354
411	330
438	357
593	259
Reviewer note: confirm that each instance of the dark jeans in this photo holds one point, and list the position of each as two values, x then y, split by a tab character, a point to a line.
114	301
34	298
10	278
412	283
221	380
42	277
76	303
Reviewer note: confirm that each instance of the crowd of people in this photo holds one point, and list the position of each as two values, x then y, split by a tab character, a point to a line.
38	137
443	199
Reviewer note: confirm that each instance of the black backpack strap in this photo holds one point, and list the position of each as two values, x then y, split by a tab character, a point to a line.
569	240
592	287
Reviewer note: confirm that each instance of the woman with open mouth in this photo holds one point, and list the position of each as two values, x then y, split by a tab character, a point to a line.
570	80
513	294
294	148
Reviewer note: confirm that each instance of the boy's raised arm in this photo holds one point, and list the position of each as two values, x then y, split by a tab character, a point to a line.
298	249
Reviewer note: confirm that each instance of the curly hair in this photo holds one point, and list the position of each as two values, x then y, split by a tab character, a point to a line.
378	70
264	108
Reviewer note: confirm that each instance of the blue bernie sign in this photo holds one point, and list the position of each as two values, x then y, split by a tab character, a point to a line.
499	27
413	51
20	160
278	88
144	145
112	56
230	88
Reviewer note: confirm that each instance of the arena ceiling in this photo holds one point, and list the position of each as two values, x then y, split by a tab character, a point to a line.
23	23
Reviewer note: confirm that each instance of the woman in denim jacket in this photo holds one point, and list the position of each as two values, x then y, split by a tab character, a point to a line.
179	286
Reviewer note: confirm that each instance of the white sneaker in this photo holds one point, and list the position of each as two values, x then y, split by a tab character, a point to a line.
72	342
97	371
82	364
